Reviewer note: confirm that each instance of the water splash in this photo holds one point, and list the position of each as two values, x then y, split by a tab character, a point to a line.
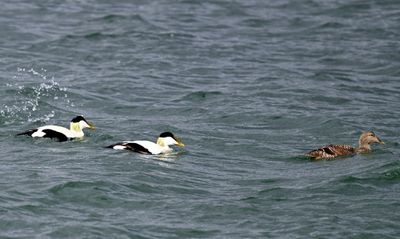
31	100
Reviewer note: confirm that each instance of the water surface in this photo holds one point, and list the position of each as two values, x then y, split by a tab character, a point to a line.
249	86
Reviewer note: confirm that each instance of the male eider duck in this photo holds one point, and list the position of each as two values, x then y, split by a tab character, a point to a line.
332	151
61	133
146	147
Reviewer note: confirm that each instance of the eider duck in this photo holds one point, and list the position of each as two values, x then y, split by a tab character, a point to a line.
61	133
332	151
146	147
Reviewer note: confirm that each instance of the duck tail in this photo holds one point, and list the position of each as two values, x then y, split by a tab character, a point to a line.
314	154
28	132
116	146
110	146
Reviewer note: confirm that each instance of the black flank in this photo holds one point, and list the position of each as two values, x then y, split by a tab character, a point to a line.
55	135
137	148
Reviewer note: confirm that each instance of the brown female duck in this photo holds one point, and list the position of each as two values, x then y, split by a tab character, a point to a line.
332	151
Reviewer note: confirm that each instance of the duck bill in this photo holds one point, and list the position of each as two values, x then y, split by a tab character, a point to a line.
91	125
180	143
380	141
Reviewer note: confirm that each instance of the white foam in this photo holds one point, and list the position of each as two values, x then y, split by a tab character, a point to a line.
26	104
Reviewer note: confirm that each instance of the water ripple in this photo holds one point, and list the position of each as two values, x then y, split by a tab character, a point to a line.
249	86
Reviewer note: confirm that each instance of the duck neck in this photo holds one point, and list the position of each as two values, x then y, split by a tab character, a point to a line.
162	144
363	147
362	144
76	129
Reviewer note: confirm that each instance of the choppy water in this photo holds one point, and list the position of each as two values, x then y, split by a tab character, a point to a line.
248	85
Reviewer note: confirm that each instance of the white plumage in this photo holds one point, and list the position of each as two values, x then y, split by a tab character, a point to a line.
61	133
68	133
147	147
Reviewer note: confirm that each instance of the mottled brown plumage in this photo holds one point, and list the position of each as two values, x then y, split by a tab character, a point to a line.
332	151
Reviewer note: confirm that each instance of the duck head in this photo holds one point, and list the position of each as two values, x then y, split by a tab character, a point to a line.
78	123
368	138
167	138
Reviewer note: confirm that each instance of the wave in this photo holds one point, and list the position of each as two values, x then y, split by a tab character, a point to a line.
201	95
388	173
32	101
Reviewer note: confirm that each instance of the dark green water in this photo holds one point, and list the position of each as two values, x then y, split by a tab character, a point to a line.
248	85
